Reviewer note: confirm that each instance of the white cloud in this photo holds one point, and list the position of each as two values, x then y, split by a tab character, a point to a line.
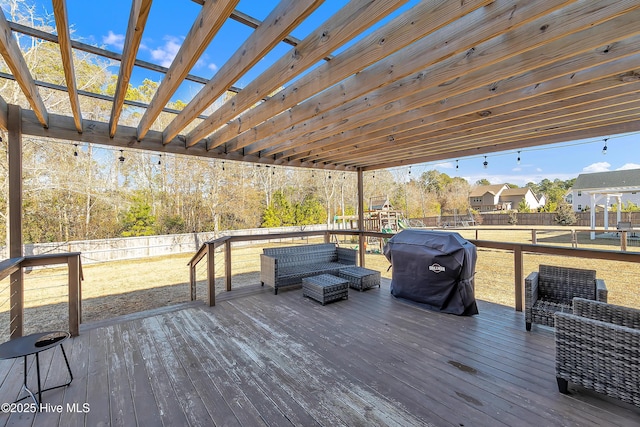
165	54
517	169
628	166
597	167
213	67
538	169
445	165
116	40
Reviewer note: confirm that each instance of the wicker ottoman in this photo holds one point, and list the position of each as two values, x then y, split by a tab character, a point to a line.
360	278
325	288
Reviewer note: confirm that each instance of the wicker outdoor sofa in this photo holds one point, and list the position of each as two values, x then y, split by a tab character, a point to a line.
552	288
287	266
598	347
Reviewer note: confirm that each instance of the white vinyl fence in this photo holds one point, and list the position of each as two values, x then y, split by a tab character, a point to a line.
141	247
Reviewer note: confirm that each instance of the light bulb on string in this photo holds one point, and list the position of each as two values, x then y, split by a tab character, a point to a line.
485	164
604	149
121	158
457	167
518	161
75	150
159	159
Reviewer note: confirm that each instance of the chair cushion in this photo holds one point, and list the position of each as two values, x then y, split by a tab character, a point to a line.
551	306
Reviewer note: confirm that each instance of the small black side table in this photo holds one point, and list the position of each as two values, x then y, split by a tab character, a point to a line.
35	344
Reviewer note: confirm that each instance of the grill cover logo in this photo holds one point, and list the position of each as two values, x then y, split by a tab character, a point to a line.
436	268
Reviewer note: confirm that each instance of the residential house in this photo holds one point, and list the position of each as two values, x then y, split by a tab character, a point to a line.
609	188
501	197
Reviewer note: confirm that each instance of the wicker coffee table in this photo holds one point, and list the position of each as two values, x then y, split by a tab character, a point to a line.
325	288
360	278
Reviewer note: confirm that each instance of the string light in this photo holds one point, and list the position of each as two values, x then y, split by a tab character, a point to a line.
485	164
159	159
457	165
518	157
604	149
223	165
121	158
75	150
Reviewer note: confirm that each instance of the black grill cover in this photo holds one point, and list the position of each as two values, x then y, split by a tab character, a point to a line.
434	268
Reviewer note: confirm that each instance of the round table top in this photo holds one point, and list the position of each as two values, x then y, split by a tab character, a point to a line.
30	344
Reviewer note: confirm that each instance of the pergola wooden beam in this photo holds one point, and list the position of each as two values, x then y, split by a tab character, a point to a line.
207	24
137	20
533	141
285	17
555	116
489	60
94	50
423	19
349	21
64	41
441	77
359	90
15	61
514	95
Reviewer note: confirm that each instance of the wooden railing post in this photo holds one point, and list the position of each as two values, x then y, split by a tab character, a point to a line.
211	275
192	281
73	264
534	236
517	269
227	263
623	241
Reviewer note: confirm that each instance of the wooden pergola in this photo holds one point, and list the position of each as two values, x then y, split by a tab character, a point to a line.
439	80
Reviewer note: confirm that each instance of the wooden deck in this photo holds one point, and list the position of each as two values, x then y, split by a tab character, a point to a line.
263	359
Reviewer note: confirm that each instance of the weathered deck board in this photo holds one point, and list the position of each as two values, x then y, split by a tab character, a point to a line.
263	359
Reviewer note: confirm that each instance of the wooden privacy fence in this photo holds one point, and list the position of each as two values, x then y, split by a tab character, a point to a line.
14	267
208	251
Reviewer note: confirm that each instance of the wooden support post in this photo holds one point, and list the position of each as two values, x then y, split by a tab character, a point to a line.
623	241
73	264
227	263
517	270
361	239
534	237
211	275
192	281
476	234
16	299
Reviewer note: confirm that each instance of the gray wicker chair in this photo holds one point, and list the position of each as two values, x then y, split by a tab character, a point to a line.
598	347
552	289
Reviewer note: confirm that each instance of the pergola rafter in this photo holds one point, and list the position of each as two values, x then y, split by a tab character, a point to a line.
440	80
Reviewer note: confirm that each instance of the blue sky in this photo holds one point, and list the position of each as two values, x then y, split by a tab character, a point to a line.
103	23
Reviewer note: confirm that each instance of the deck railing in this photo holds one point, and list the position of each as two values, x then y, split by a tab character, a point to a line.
208	251
14	267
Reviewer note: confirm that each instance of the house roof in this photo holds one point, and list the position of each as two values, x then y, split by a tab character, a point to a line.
620	181
481	190
521	191
379	202
378	84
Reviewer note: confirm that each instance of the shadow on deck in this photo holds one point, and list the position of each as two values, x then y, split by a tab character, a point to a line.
262	359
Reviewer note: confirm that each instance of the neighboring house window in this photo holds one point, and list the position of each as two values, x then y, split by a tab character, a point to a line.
579	207
579	193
